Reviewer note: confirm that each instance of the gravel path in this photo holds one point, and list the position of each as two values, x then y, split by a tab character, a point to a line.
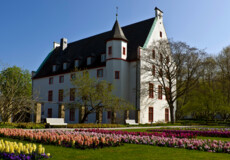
121	128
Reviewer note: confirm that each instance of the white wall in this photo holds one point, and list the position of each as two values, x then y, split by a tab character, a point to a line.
158	105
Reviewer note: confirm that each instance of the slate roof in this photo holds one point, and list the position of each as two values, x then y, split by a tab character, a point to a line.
94	46
117	32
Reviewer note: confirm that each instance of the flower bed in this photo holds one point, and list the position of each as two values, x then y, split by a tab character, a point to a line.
204	133
193	144
18	151
63	138
162	134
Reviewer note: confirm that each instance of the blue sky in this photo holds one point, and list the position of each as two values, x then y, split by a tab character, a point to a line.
28	28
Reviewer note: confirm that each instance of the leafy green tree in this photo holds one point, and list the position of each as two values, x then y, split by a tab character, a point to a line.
15	93
95	96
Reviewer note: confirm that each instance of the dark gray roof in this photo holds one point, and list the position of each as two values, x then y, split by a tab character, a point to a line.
117	32
94	46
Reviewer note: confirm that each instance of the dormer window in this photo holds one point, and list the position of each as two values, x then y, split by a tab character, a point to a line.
76	63
89	59
54	68
102	57
64	66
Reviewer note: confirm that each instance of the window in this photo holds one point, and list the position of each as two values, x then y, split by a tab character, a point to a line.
160	72
151	90
117	74
167	60
54	68
108	114
72	94
72	76
100	73
64	66
153	54
51	80
50	95
166	114
61	79
110	50
124	49
159	92
150	114
89	61
72	114
49	112
102	57
161	58
60	95
154	70
76	63
161	34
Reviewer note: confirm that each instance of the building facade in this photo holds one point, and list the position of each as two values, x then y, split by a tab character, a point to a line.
114	56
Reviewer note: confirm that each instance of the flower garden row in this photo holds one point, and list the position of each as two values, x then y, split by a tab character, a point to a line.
194	133
18	151
162	134
93	139
63	138
192	144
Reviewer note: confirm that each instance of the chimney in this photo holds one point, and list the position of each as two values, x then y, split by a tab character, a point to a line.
158	13
63	43
33	73
55	45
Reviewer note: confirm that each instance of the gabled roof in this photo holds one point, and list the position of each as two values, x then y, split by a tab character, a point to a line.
94	46
117	32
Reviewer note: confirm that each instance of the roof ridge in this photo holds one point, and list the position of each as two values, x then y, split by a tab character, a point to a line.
109	31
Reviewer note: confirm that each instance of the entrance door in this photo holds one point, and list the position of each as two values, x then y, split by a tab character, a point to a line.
150	114
49	112
166	115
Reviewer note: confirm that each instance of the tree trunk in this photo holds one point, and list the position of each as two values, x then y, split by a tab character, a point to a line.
172	113
84	118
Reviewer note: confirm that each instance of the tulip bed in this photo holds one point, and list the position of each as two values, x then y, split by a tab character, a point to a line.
192	144
63	138
162	134
18	151
194	133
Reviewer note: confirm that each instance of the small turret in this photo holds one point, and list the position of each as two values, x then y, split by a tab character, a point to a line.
116	43
117	33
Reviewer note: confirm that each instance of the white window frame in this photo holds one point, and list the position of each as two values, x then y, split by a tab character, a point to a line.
76	63
89	60
64	66
54	68
103	57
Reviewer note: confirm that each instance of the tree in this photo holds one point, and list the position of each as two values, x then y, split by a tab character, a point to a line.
15	94
94	96
177	68
223	63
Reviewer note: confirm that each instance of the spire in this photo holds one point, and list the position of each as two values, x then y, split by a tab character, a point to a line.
117	32
116	13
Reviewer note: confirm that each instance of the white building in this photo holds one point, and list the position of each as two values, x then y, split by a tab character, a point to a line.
113	56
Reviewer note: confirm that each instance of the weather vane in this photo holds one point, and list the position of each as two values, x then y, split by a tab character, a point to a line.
116	12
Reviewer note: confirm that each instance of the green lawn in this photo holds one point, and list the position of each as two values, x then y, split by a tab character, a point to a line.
130	152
